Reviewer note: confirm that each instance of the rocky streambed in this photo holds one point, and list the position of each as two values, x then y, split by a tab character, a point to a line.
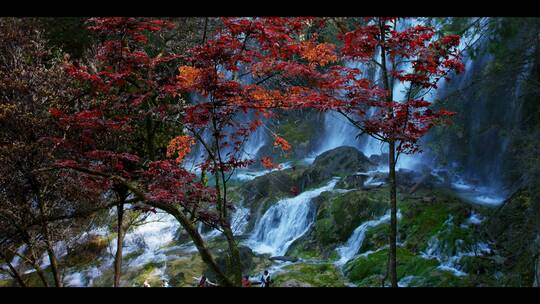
332	232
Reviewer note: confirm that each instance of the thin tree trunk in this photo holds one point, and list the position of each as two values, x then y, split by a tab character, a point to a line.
204	30
184	221
34	262
119	241
392	267
393	214
41	274
13	272
234	253
52	259
45	230
205	254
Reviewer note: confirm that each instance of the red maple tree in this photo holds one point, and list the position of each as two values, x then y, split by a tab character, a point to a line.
239	76
411	56
110	129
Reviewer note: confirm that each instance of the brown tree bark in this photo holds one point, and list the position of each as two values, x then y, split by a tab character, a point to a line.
13	272
46	235
393	214
35	264
184	221
120	238
392	267
234	253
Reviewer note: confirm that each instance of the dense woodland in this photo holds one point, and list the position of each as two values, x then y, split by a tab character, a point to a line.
350	151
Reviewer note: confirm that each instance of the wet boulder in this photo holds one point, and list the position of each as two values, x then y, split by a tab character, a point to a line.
342	160
339	161
338	215
267	185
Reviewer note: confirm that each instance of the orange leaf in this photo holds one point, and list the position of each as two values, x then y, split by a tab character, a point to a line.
181	145
282	143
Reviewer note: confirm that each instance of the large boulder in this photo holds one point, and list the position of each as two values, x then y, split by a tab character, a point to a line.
340	161
263	191
271	184
379	159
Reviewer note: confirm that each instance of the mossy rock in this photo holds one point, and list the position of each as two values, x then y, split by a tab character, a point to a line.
375	264
149	271
32	279
341	161
182	271
421	220
338	217
482	270
315	275
441	278
376	237
87	253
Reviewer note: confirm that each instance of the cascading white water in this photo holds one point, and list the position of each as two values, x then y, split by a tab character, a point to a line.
239	222
438	250
353	244
348	250
158	231
247	175
251	145
285	221
337	132
483	195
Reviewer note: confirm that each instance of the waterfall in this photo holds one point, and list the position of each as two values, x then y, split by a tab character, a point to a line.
353	244
286	221
157	231
337	132
239	222
247	175
251	145
348	250
449	261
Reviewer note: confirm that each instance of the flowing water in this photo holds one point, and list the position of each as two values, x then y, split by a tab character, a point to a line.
449	261
353	244
350	249
286	221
